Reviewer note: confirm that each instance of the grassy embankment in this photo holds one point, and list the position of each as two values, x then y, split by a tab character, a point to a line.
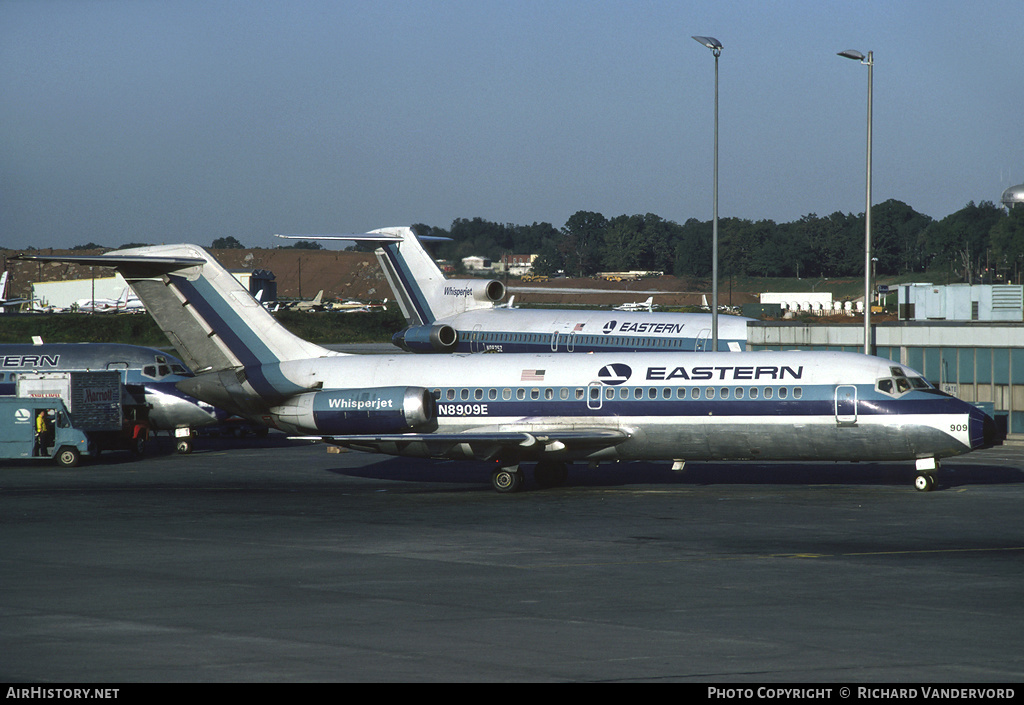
139	329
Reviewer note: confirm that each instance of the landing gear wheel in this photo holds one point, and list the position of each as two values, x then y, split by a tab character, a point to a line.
507	481
924	483
550	474
183	446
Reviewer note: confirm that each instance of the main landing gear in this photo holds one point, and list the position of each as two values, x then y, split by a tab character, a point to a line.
547	474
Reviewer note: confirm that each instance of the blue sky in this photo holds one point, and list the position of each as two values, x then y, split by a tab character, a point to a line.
174	121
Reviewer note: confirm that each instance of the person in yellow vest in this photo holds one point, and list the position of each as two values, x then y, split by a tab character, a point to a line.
44	433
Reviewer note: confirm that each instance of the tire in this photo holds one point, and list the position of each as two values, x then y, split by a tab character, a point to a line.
506	481
68	457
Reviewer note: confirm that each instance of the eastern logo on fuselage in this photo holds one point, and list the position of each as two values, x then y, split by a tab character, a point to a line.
30	361
645	328
616	373
728	372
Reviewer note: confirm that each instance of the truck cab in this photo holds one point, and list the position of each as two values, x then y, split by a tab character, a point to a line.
57	439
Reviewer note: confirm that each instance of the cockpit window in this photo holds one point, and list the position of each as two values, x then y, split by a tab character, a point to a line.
897	386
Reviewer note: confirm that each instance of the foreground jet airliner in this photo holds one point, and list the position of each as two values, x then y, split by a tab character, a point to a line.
549	408
146	372
461	315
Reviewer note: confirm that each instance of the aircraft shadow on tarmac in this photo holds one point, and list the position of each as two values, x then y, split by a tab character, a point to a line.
695	474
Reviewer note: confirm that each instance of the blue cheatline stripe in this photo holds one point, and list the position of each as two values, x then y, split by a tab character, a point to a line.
820	405
262	366
409	284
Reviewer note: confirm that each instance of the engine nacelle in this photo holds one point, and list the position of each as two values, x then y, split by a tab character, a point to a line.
350	411
477	289
436	338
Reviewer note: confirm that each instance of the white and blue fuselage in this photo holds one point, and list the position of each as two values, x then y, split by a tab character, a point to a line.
764	405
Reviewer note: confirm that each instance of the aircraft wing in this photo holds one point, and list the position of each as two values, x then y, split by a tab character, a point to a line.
365	237
483	445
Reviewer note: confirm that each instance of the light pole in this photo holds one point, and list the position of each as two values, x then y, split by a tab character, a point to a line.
870	63
716	48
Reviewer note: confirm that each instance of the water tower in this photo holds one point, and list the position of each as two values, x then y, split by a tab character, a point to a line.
1013	196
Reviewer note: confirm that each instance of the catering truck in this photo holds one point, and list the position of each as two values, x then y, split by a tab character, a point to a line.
65	415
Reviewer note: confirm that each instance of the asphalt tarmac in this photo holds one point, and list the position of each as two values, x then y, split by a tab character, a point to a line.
271	561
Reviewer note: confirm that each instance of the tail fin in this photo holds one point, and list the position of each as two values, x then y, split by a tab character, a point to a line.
208	316
419	285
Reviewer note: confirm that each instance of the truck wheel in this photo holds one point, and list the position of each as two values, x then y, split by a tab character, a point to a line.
67	457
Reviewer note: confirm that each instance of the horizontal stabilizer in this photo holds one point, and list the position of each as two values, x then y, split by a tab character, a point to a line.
209	317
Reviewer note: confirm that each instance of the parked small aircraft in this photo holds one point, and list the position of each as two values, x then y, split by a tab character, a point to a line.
647	305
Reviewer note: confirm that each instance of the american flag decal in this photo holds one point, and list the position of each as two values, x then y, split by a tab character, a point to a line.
532	376
579	326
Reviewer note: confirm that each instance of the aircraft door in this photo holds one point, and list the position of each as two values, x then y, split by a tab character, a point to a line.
476	339
701	344
554	341
846	405
570	342
595	395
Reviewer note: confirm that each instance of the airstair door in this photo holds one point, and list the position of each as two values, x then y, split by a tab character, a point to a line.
846	404
702	344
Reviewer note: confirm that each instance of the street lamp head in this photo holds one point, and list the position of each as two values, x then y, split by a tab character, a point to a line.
852	54
711	43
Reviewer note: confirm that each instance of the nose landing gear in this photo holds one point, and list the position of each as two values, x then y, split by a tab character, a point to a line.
925	481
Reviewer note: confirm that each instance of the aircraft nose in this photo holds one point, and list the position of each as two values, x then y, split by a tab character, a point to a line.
982	429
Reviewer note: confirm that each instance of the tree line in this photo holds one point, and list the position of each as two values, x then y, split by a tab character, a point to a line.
977	243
